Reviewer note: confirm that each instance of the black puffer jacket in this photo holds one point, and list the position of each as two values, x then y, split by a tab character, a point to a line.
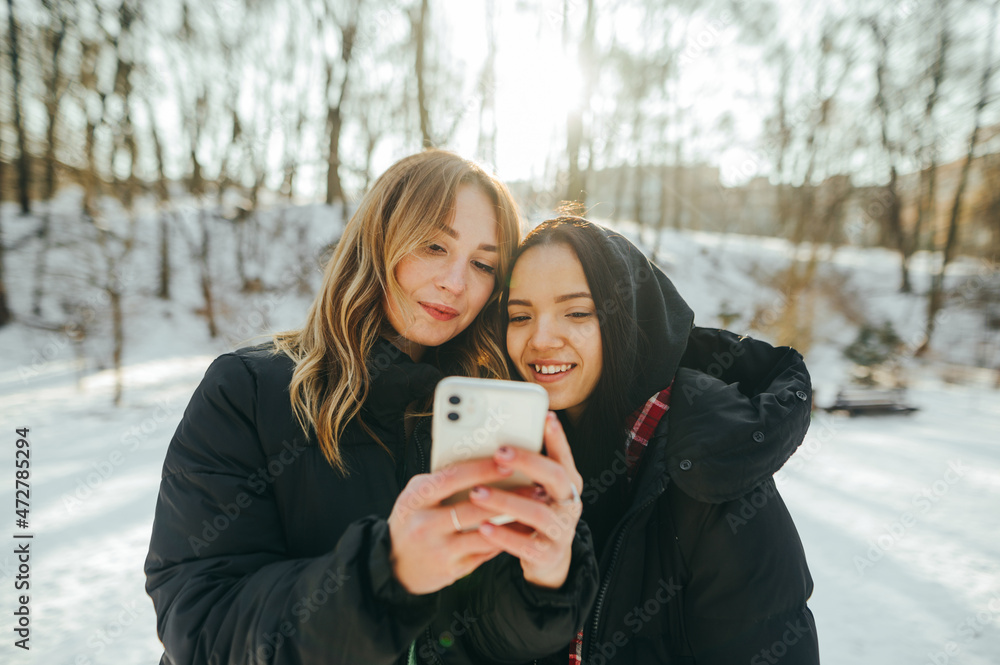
706	565
262	553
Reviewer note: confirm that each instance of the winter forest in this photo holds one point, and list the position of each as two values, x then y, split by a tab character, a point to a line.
175	175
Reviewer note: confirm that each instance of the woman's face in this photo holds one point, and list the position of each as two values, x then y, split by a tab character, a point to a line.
446	284
553	336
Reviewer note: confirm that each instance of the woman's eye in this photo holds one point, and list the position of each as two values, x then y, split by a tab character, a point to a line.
519	318
580	315
434	247
486	268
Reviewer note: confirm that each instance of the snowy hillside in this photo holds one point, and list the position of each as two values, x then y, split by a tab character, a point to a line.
897	514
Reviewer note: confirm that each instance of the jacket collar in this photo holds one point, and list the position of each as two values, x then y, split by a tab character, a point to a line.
396	381
653	474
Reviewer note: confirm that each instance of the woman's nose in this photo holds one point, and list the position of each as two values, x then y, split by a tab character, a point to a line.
452	278
546	335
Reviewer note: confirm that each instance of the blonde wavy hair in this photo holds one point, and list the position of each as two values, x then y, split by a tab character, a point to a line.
404	210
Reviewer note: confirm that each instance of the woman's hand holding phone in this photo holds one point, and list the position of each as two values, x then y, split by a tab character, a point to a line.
545	517
430	549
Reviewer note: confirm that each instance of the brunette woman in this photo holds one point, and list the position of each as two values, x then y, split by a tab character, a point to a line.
676	431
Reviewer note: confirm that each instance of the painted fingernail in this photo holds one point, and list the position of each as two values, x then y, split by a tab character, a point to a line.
540	492
479	492
503	470
487	528
505	452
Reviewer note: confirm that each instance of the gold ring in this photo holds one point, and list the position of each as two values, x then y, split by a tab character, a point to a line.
454	520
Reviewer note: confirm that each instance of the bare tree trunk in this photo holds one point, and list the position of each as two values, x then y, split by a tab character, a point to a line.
620	189
574	137
664	202
669	180
164	273
784	141
123	86
23	172
118	326
334	119
575	186
936	294
420	34
927	203
162	196
5	313
678	184
892	221
638	192
200	246
52	100
334	191
291	159
115	250
486	149
41	261
53	97
206	276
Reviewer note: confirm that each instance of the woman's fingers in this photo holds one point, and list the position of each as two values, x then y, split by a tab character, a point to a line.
467	516
553	476
556	445
433	544
426	490
473	561
527	511
556	521
557	448
523	544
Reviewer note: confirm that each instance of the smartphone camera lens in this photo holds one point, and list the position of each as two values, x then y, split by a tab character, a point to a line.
453	415
454	399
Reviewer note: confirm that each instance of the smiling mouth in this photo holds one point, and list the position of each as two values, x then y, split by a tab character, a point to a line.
552	370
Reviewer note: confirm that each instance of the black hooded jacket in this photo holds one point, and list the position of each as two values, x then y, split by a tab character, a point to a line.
262	553
706	565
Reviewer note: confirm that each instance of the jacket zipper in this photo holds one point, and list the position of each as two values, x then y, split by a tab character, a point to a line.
420	448
611	569
430	640
421	455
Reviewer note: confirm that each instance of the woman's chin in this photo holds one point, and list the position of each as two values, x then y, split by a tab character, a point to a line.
557	404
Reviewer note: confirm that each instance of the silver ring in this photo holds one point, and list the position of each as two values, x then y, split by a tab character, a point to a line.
573	500
454	520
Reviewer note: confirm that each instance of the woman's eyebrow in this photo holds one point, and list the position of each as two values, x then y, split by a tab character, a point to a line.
568	296
454	234
571	296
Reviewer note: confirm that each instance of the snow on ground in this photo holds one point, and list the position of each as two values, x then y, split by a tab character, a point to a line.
897	514
898	518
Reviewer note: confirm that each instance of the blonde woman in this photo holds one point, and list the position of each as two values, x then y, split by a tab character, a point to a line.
297	521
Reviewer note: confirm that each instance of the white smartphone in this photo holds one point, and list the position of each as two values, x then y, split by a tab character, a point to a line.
474	417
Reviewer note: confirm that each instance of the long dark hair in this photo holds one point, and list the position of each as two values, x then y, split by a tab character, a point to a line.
600	433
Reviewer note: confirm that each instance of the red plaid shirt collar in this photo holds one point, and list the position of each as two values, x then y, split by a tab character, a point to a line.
641	425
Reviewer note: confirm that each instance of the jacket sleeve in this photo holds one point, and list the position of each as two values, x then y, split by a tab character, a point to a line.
217	570
739	408
746	581
494	617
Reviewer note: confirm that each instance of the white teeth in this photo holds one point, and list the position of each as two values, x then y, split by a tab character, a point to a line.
552	369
